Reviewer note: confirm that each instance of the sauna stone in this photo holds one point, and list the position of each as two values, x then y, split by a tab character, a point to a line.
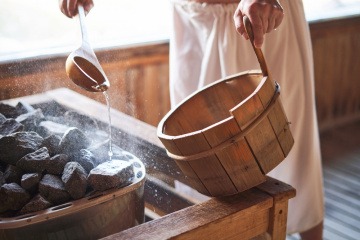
80	121
13	174
30	181
73	141
75	180
56	164
31	120
101	152
12	197
2	166
58	119
47	128
53	189
2	118
111	174
37	203
9	111
35	161
97	136
86	159
10	126
2	178
16	145
24	107
51	108
52	143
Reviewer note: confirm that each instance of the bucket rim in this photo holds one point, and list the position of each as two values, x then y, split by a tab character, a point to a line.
160	128
233	139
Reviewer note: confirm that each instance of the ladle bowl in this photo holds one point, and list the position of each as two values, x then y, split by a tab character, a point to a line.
82	65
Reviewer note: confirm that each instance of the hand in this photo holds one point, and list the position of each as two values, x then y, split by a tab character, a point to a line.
264	15
69	7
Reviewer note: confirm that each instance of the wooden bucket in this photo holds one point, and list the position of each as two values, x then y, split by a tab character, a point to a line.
228	135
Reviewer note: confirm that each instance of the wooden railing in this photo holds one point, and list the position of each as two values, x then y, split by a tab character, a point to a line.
139	75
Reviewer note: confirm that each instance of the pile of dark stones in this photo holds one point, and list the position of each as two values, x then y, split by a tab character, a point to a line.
47	160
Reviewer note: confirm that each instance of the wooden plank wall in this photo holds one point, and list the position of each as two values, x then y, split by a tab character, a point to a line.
139	75
336	47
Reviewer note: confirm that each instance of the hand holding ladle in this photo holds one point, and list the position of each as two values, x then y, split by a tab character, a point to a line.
82	65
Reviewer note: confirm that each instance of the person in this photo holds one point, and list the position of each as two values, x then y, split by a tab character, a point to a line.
205	46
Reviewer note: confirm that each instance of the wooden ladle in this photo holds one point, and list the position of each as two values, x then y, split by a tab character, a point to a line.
82	65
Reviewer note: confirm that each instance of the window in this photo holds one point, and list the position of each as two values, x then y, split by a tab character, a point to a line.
37	27
324	9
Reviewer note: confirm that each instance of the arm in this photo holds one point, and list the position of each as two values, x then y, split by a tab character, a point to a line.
69	7
264	15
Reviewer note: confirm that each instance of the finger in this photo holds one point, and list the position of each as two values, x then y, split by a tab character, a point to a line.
278	20
266	13
237	20
240	28
258	30
63	7
271	25
279	16
72	7
265	25
88	5
243	32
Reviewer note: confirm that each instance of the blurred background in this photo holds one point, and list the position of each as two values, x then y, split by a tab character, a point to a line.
37	27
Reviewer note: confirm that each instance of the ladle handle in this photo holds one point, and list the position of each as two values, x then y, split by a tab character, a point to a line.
84	33
258	52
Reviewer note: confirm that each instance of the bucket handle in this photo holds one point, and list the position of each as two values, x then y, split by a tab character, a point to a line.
258	52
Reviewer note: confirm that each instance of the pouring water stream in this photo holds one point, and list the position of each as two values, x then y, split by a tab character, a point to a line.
84	69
